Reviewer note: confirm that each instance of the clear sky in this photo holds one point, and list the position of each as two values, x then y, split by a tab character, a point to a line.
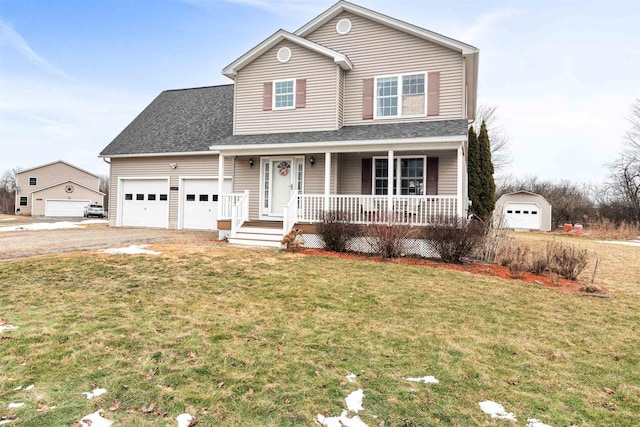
74	73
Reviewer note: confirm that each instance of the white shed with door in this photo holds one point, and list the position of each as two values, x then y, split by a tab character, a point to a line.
523	210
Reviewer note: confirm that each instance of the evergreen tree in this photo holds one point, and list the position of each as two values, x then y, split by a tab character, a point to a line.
488	185
473	169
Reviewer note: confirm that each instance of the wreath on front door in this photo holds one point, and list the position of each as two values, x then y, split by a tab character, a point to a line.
283	168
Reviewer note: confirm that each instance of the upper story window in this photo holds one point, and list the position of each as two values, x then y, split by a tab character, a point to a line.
23	200
283	94
400	95
33	181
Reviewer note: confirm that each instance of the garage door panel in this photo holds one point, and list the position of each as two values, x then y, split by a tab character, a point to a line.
65	208
200	203
145	203
522	215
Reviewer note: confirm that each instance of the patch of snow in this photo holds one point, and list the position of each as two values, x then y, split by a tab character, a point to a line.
329	421
95	393
29	387
42	226
354	400
7	421
427	380
16	405
351	377
351	422
184	419
95	420
624	243
532	422
7	328
496	410
7	219
94	221
18	388
131	250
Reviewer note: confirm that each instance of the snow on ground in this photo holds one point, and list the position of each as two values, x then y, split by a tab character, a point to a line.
427	380
95	420
29	387
53	225
532	422
7	328
16	405
130	250
184	420
7	421
354	401
351	377
7	219
95	393
624	243
496	410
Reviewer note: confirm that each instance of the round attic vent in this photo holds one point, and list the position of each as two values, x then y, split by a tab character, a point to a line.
343	26
284	54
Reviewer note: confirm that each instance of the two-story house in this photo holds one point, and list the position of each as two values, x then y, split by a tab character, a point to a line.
355	111
57	189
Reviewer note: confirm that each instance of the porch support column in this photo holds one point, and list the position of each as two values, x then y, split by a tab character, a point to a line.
327	180
220	184
390	183
460	177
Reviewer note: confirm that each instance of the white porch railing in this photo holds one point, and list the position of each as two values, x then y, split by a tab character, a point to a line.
239	213
227	201
412	210
290	215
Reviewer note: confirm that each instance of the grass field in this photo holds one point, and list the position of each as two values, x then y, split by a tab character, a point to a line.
263	338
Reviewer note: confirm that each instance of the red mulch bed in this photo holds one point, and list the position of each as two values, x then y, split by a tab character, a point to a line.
495	270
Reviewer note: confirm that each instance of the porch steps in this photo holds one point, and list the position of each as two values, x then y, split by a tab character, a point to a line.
258	234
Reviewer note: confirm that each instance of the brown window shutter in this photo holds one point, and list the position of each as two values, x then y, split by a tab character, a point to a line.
301	93
267	103
432	176
433	99
366	188
367	99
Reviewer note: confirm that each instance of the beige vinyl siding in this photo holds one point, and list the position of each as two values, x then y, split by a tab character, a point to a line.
142	167
320	112
58	193
351	172
340	97
48	175
376	50
246	178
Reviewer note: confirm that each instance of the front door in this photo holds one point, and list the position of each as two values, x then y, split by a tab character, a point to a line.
281	179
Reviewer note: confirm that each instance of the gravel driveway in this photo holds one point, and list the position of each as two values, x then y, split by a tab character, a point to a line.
25	243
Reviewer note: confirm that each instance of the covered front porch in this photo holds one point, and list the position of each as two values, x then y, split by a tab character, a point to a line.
412	186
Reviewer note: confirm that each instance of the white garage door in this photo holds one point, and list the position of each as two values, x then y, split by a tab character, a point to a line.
61	208
145	203
200	203
522	215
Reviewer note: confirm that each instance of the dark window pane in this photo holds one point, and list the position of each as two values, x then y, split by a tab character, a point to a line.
534	212
139	196
128	196
163	197
151	196
191	197
214	198
204	198
23	201
509	211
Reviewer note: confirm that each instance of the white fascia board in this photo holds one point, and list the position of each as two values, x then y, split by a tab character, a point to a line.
53	163
124	156
232	69
435	143
344	6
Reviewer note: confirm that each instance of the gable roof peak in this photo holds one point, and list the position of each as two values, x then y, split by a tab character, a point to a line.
232	69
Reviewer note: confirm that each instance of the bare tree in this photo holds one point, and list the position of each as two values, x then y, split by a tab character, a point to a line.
8	190
104	188
500	149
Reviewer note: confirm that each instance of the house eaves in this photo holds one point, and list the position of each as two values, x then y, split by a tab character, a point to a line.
232	69
469	53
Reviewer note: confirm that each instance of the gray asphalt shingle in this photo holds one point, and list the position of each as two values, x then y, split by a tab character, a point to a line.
192	120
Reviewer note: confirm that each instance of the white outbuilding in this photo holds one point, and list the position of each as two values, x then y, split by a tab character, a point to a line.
522	210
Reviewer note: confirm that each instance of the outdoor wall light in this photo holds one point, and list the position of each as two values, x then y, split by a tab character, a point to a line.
173	165
251	163
312	161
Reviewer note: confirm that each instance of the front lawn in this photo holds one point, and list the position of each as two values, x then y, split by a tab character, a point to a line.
263	338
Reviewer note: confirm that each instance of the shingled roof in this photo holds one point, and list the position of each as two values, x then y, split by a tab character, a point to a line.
192	120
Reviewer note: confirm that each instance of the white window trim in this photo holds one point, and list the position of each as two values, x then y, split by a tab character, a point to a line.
26	198
33	177
273	95
400	95
398	169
